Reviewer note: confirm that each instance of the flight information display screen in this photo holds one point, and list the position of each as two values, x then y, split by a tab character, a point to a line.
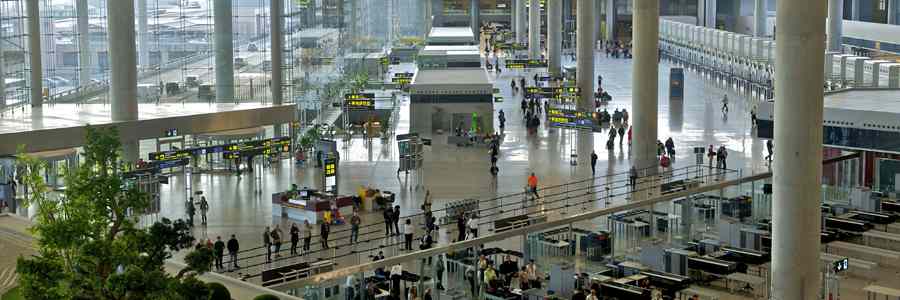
568	118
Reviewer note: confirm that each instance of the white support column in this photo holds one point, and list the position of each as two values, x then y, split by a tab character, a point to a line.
892	12
224	43
584	48
554	36
276	11
123	69
428	17
610	19
854	10
34	52
2	76
521	31
534	29
710	13
84	43
798	138
835	24
760	17
512	16
475	14
645	82
143	33
701	12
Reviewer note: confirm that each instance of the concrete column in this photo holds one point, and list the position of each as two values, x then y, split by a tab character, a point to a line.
701	12
84	43
598	8
428	17
760	15
709	13
276	11
610	19
584	51
645	82
521	32
143	34
224	39
123	69
122	61
534	29
892	12
2	76
34	52
854	10
475	14
835	24
798	139
554	36
512	15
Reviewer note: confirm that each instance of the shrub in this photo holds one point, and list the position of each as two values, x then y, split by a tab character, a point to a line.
217	291
266	297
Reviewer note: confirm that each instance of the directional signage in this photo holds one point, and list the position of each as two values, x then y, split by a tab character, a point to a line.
551	92
359	101
264	147
402	78
525	63
568	118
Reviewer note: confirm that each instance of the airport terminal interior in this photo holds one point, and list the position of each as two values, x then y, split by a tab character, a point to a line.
450	149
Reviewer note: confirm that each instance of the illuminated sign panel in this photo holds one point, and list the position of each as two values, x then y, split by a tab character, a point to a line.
330	167
525	63
359	101
558	117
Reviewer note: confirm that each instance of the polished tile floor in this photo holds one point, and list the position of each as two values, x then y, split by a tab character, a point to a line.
242	206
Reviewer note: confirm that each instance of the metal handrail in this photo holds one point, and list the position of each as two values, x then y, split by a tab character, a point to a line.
398	259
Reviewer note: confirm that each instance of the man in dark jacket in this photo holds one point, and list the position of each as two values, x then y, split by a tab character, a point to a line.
219	248
323	234
233	248
388	215
396	219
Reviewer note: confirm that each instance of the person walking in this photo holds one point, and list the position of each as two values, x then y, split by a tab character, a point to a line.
191	211
276	240
355	220
710	154
324	229
204	207
533	185
722	155
219	250
632	177
408	235
593	163
502	118
267	242
388	214
233	248
461	227
725	104
307	235
771	149
621	134
473	226
396	219
295	238
439	272
670	147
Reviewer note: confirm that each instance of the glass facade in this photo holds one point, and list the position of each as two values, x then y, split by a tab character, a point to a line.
176	47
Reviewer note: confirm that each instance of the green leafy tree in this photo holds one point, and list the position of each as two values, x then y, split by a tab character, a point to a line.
89	246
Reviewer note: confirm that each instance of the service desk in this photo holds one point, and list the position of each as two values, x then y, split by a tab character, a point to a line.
311	208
